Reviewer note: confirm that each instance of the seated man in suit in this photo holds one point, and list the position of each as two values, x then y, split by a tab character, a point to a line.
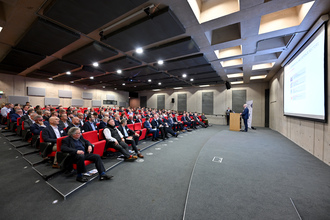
24	117
89	125
81	118
130	136
29	121
138	119
46	115
18	113
50	134
186	121
38	125
130	119
117	119
75	123
157	123
103	122
116	140
149	128
199	121
64	122
178	123
81	150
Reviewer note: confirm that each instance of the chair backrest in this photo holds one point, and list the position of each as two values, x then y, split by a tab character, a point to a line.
91	136
98	124
131	126
59	143
23	126
137	126
99	147
101	135
41	139
18	119
143	120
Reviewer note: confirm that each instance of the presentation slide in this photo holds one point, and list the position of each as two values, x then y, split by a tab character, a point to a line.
304	80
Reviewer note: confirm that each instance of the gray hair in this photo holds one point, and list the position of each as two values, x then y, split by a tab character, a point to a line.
37	117
72	131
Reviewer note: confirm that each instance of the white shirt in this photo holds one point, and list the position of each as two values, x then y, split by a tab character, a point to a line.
5	111
57	132
107	134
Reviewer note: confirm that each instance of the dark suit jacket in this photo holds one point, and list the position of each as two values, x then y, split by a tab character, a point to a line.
129	121
71	126
147	125
154	124
69	147
88	127
117	123
23	118
49	135
138	121
61	123
28	123
14	117
245	113
102	125
35	129
130	132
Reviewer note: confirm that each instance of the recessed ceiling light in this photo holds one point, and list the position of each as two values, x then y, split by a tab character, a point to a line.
92	77
149	80
234	75
191	79
258	77
119	71
123	84
177	88
103	87
184	75
139	50
160	62
134	86
115	88
236	82
155	90
263	66
204	85
0	28
68	73
159	83
71	81
50	78
95	64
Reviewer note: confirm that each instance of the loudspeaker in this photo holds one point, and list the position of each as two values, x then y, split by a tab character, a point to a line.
228	85
172	100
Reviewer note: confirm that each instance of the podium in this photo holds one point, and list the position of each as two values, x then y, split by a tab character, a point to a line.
234	123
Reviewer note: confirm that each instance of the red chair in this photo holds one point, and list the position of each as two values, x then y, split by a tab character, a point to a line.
91	136
142	131
101	135
131	126
98	149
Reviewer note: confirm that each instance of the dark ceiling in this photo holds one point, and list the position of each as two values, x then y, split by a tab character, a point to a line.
46	39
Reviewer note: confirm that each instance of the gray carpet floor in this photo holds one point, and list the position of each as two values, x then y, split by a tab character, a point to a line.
259	173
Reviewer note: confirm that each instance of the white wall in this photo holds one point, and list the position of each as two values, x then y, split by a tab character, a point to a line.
17	86
222	99
312	136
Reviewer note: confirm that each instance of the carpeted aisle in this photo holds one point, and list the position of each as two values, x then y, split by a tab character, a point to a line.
260	171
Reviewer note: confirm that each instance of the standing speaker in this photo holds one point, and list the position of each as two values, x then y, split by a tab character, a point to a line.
228	85
172	100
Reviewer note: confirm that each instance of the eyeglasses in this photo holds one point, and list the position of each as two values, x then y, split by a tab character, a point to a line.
77	133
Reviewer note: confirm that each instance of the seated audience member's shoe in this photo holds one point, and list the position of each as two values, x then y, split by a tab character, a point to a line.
82	179
157	139
140	155
176	134
134	157
153	140
105	177
130	159
56	166
139	149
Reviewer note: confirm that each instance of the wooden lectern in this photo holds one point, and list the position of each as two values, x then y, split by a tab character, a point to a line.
234	123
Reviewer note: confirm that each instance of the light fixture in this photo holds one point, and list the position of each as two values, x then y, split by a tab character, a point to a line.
177	88
123	84
258	77
134	86
50	78
191	79
71	81
103	87
184	75
159	83
236	82
68	73
115	88
139	50
95	64
149	80
119	71
160	62
204	85
1	28
263	66
92	77
155	90
234	75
